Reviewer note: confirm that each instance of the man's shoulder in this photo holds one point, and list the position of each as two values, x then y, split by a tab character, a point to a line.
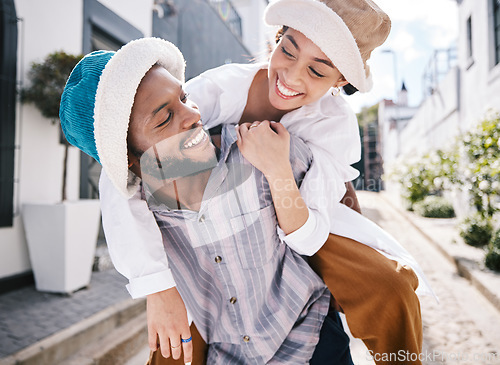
299	150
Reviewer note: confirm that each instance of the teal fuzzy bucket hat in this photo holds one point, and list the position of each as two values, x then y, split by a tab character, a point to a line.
98	97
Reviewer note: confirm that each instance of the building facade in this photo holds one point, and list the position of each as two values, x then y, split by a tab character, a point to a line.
208	32
461	85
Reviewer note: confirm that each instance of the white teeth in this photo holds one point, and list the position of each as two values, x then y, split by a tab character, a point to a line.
196	139
284	90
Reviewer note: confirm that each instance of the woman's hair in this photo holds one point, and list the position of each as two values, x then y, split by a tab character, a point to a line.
280	33
348	89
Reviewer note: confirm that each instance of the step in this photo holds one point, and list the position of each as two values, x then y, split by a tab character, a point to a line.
57	348
114	348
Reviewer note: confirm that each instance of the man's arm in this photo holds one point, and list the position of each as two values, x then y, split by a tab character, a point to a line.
136	248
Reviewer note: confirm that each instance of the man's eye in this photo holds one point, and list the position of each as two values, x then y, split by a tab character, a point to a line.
165	121
184	97
316	73
288	54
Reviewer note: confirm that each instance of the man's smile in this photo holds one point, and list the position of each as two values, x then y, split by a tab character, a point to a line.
196	138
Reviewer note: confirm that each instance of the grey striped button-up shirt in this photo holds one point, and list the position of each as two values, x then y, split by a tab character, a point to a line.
252	298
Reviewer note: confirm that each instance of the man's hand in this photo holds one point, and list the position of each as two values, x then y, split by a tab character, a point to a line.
168	323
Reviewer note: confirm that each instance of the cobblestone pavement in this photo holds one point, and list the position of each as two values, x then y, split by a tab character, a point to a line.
27	316
464	328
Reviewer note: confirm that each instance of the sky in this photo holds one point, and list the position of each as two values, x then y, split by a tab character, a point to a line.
418	28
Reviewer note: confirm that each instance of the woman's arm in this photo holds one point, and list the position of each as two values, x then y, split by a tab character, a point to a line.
350	199
267	146
303	214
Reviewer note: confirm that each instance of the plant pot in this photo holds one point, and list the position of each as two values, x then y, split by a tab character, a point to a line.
62	240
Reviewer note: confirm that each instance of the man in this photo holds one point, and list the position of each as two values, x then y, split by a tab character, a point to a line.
252	298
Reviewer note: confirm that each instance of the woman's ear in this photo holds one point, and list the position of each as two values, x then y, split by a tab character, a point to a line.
340	82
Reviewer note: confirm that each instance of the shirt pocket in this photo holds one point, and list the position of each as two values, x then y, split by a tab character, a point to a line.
256	237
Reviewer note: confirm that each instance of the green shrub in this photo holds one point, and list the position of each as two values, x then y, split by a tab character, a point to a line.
476	230
495	240
434	207
47	80
492	259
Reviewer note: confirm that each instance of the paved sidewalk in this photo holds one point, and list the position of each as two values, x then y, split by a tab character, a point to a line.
28	316
443	234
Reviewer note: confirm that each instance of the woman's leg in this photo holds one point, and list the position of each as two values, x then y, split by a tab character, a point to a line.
377	296
199	352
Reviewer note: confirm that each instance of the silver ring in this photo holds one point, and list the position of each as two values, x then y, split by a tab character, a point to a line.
175	347
253	125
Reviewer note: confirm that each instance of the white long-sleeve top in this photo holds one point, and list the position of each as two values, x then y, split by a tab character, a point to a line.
330	129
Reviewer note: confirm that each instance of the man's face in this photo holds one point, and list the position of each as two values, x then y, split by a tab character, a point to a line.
165	134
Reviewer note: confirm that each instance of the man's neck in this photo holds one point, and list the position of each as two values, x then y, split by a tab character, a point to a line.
185	192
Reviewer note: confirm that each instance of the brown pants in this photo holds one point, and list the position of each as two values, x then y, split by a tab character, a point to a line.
376	294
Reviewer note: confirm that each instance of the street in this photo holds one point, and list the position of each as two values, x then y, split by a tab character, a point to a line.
464	328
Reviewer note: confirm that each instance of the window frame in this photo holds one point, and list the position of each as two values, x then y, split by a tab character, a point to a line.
8	104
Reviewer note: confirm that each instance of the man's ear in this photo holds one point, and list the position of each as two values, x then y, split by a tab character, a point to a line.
134	163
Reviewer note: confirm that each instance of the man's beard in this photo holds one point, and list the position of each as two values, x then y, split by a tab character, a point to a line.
158	170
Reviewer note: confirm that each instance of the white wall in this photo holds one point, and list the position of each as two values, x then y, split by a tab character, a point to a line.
48	26
136	12
437	121
256	35
480	80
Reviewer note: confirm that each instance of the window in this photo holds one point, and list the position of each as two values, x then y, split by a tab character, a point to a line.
496	29
469	37
8	61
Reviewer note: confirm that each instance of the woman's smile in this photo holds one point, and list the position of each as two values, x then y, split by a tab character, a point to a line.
284	91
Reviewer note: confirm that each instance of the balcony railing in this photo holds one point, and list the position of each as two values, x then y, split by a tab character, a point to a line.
228	14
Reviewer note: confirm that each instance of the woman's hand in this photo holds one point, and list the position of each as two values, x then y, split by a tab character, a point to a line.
266	145
168	324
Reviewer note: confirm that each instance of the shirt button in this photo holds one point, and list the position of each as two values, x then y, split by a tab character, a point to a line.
202	219
233	300
246	338
218	259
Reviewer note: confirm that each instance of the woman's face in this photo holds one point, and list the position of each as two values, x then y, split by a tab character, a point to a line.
299	72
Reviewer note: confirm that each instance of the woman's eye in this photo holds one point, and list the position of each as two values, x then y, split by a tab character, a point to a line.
184	97
165	121
316	73
288	54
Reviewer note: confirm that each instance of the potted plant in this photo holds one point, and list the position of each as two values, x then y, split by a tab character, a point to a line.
61	237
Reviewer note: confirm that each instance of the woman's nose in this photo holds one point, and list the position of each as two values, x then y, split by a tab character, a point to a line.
293	76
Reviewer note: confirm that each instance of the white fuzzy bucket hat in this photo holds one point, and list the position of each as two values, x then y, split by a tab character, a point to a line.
347	31
98	97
